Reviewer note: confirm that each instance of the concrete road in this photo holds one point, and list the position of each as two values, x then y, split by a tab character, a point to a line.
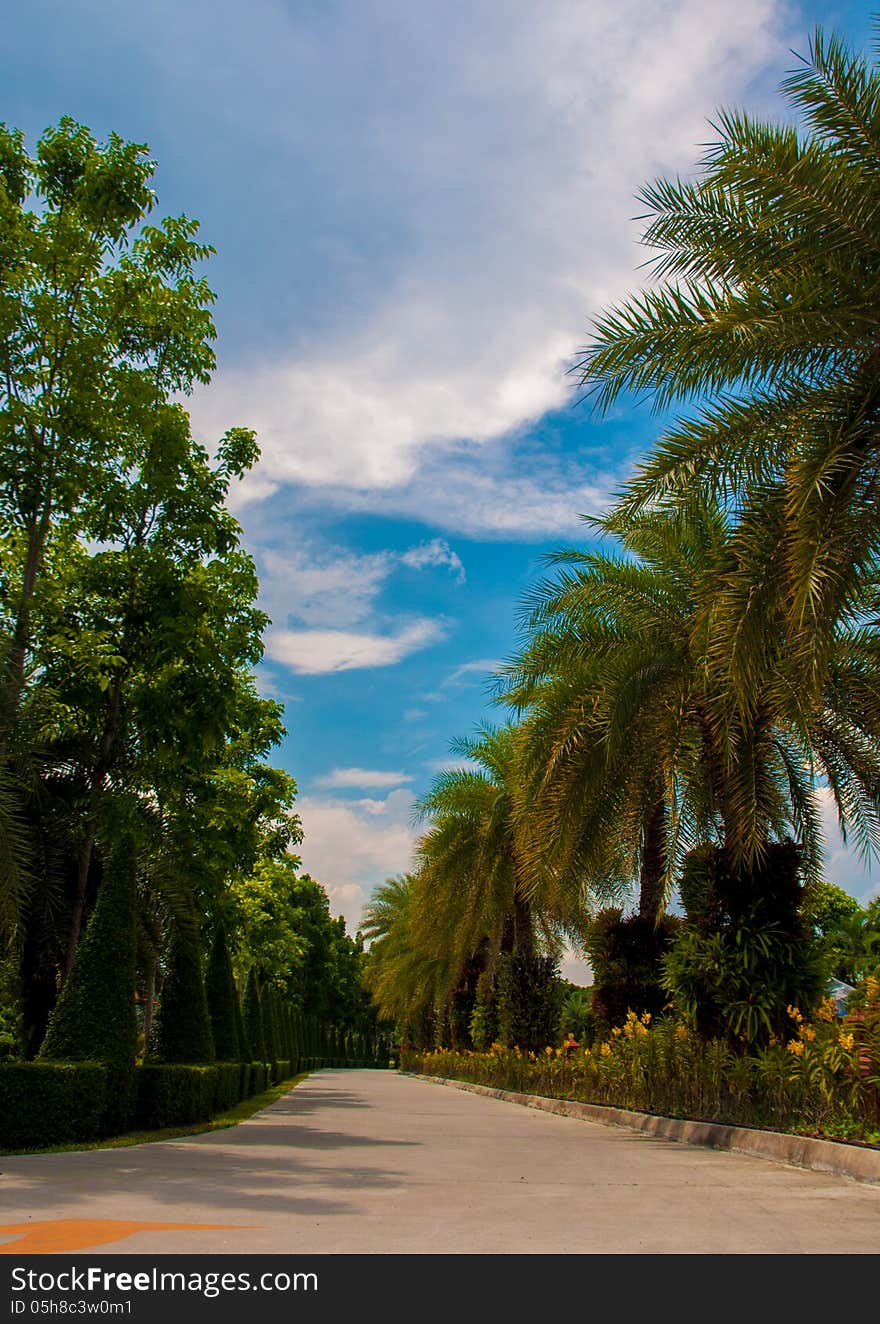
368	1161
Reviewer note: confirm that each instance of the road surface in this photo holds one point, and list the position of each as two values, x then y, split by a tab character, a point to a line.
369	1161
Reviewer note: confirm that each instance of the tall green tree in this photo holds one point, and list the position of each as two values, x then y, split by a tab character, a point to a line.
102	319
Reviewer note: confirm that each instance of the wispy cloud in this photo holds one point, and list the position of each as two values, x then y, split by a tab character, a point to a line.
365	778
316	652
480	666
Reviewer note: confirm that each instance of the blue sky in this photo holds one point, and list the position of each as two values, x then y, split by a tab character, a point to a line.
417	209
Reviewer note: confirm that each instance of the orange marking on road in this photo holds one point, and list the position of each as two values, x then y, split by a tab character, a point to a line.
56	1234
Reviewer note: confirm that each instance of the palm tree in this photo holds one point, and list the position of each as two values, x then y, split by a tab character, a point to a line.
632	747
405	980
472	872
767	311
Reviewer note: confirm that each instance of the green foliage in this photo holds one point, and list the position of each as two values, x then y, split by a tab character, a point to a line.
222	998
529	996
824	906
173	1095
270	1025
94	1018
822	1079
182	1028
245	1054
576	1016
484	1018
625	956
47	1103
745	953
253	1017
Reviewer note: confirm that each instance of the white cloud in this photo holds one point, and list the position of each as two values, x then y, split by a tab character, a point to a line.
333	588
487	178
434	553
361	777
324	603
352	846
316	652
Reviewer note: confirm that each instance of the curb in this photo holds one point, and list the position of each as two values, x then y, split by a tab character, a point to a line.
829	1156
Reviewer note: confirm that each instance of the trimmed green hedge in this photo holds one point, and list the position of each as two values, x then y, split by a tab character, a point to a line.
48	1103
172	1094
54	1103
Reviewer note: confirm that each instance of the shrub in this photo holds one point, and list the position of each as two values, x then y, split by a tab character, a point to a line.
819	1077
745	953
174	1094
228	1087
181	1030
626	958
222	996
528	993
50	1103
484	1017
94	1019
253	1017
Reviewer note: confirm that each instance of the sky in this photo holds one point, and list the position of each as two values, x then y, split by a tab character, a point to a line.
417	209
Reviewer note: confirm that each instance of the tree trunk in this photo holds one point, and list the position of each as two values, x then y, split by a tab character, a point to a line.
653	868
523	933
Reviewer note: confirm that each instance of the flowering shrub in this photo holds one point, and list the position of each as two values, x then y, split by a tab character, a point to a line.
822	1078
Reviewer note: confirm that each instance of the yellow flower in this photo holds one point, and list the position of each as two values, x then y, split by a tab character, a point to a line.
559	1052
681	1032
587	1053
631	1016
605	1050
827	1010
628	1029
642	1031
795	1046
846	1042
794	1014
549	1051
646	1018
807	1033
616	1031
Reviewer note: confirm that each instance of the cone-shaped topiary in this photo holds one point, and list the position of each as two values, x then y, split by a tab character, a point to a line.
253	1018
244	1048
270	1024
182	1027
94	1018
222	997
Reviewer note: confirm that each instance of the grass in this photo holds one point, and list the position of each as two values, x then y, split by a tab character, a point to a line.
240	1113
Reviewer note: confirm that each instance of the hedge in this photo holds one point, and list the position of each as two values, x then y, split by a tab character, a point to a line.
53	1103
48	1103
173	1094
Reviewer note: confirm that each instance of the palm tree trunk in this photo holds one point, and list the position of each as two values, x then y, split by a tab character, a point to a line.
523	931
653	870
